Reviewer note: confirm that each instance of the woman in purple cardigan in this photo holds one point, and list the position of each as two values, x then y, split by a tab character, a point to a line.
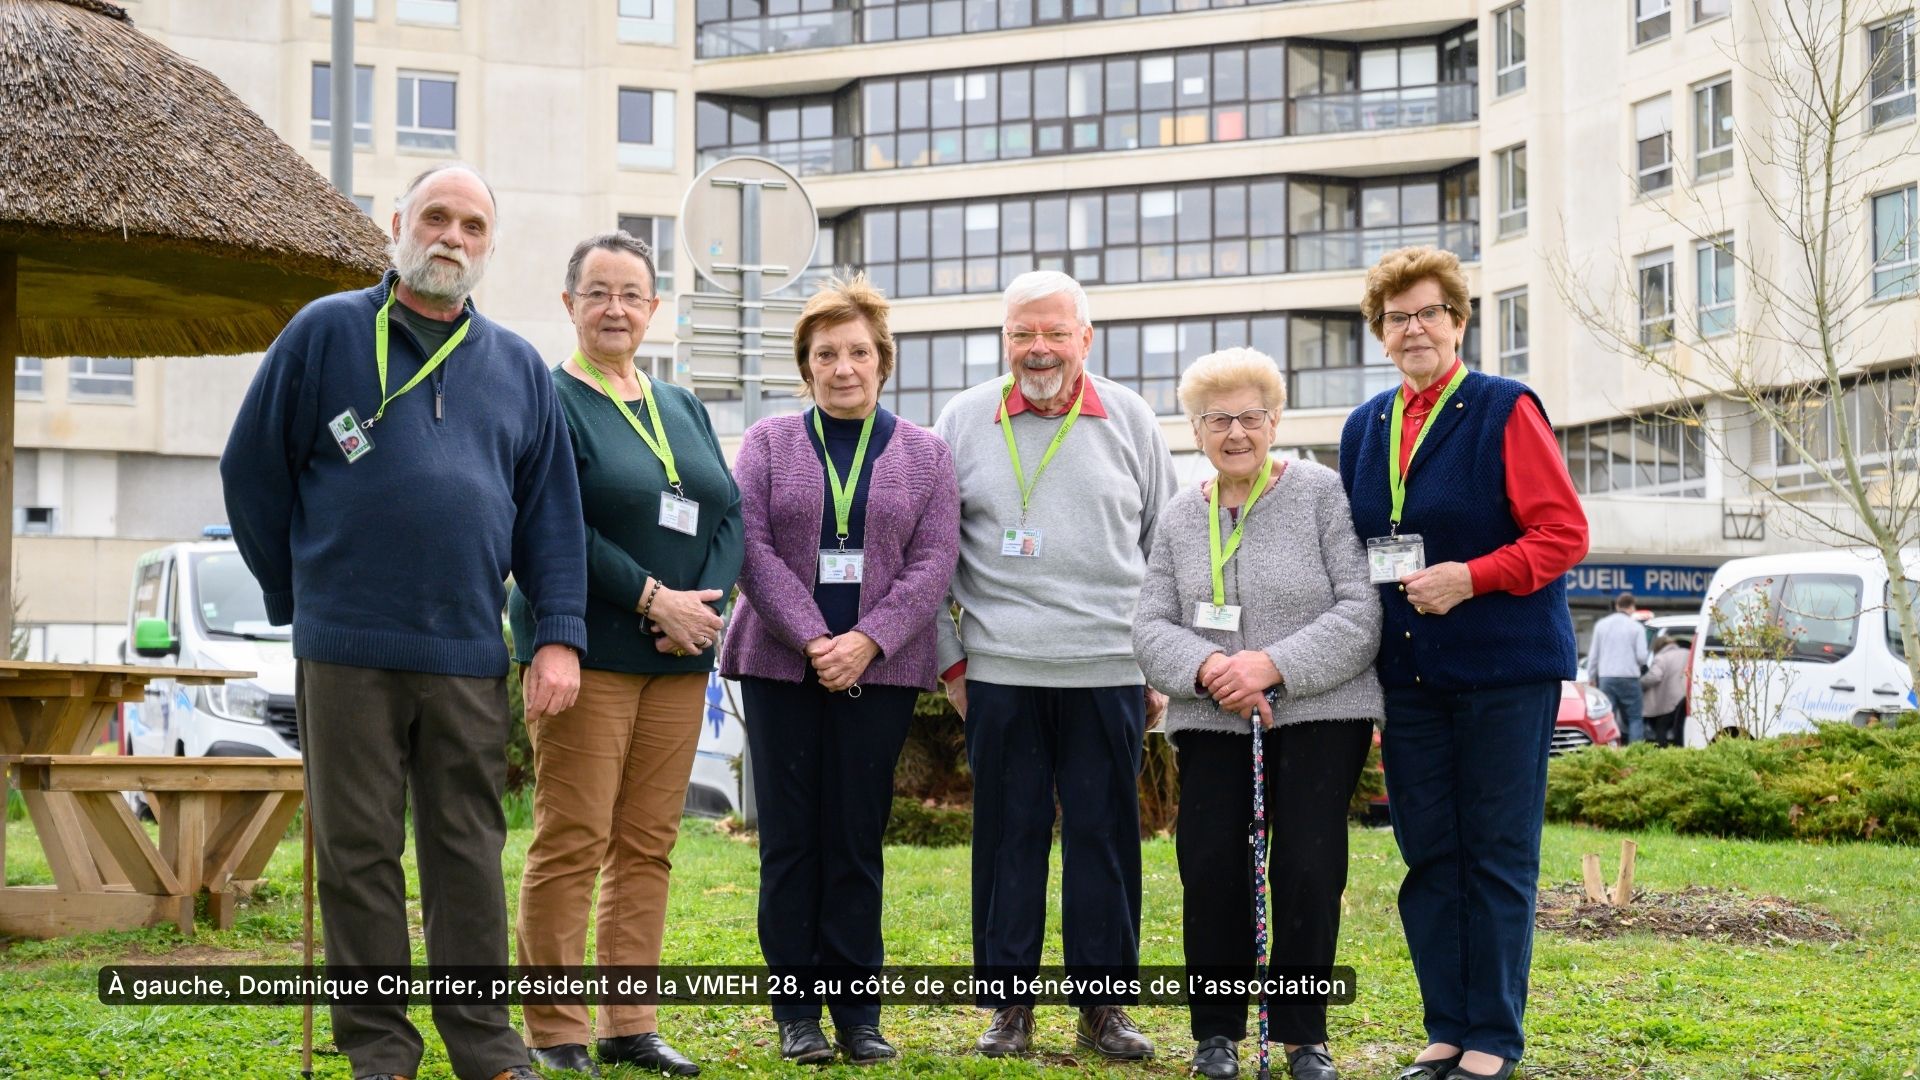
852	524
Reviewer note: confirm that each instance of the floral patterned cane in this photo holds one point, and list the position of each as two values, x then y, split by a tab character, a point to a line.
1259	840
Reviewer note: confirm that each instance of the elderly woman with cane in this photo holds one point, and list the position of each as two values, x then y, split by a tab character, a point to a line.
1256	619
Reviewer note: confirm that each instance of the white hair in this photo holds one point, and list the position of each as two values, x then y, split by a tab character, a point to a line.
1040	284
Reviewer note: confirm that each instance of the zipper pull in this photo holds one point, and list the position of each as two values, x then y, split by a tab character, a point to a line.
439	408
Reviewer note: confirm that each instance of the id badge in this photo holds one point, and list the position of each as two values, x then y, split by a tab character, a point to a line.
1216	616
839	567
1021	543
350	435
682	515
1390	558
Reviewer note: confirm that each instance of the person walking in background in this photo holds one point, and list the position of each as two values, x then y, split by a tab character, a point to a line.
1665	688
663	545
1616	657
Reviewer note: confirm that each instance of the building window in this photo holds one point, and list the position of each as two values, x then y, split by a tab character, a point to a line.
658	233
365	203
1656	298
362	104
106	378
1513	334
646	22
362	9
1653	455
1653	142
1713	128
1703	10
426	111
1713	277
1510	48
646	128
1891	82
1879	412
1652	20
429	12
1511	166
1896	244
29	374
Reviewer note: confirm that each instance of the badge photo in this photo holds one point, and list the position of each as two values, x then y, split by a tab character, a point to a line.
1021	543
680	514
1390	558
838	567
350	436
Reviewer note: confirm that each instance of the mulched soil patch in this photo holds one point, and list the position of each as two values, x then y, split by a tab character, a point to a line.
1694	912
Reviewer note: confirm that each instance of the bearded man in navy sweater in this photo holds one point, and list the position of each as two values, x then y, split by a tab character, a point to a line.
397	456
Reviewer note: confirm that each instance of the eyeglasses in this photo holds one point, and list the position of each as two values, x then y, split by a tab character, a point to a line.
598	298
1430	316
1250	421
1024	339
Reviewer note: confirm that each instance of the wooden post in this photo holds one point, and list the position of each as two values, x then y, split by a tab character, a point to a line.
1596	887
9	354
1623	885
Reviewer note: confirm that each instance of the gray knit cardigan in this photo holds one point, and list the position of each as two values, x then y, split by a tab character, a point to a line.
1300	578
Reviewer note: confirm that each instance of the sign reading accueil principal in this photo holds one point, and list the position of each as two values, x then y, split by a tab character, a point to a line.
1668	582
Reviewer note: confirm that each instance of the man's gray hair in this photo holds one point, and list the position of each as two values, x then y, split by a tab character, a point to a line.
1040	284
618	240
406	196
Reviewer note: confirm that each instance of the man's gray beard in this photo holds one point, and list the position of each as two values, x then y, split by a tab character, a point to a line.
1043	387
429	279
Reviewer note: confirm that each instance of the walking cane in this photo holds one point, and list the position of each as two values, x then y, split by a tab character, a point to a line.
1259	839
306	934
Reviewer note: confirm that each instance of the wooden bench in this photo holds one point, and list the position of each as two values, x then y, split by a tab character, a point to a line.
220	819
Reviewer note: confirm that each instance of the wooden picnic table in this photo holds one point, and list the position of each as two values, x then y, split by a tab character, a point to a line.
219	817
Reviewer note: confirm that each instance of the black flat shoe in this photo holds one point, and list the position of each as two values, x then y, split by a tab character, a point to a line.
649	1051
570	1056
1433	1069
803	1043
1311	1063
1462	1073
1216	1058
863	1044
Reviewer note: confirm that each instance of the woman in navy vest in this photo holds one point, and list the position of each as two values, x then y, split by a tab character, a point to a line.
1470	520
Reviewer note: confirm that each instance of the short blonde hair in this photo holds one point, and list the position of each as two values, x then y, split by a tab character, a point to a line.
840	302
1223	372
1402	269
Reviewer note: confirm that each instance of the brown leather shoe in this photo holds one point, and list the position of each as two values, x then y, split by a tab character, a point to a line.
1011	1032
1109	1031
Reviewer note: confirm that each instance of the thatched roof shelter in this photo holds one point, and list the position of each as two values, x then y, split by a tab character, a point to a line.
153	213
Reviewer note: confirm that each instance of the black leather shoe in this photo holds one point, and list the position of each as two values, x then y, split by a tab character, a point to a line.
1311	1063
863	1044
1110	1032
569	1056
1505	1071
1010	1032
649	1051
1217	1058
1433	1069
803	1043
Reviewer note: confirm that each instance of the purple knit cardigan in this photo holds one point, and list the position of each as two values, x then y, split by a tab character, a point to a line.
912	543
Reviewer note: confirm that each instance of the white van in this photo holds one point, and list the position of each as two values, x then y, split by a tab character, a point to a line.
1831	624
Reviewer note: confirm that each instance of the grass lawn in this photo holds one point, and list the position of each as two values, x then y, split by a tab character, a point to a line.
1637	1006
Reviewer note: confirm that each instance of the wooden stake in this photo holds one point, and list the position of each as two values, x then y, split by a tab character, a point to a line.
1596	886
9	350
1623	885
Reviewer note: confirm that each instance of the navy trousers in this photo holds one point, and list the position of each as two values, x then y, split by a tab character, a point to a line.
823	787
1025	744
1466	788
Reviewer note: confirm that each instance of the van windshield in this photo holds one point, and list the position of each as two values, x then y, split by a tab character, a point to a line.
230	600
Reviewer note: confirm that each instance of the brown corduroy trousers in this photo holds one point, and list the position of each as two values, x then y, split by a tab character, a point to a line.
610	780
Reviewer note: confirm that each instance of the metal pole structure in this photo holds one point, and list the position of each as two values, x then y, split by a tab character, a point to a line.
341	150
750	313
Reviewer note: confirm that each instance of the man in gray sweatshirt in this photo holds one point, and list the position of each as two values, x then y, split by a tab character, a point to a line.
1062	475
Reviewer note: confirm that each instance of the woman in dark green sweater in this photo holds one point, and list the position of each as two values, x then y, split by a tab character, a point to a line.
664	545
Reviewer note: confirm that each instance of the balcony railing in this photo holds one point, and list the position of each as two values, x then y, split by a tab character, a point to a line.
1352	249
777	33
1384	110
803	157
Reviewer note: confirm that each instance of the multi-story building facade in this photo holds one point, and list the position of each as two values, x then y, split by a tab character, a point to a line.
1216	173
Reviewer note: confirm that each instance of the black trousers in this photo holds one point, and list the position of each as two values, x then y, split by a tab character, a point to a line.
371	738
1025	744
1310	772
823	787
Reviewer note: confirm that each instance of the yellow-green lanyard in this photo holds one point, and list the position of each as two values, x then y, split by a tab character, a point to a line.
1013	450
381	328
1220	554
1397	480
656	442
843	495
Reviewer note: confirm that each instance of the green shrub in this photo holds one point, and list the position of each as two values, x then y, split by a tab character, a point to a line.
919	825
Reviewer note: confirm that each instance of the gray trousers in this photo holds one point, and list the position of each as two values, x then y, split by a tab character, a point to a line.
369	737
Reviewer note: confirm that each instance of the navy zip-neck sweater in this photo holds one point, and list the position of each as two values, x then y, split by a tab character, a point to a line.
398	560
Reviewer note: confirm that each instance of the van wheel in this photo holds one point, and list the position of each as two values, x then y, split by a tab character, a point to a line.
180	749
1732	733
141	809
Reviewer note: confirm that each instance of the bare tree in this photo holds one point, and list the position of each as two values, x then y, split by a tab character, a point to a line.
1807	361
